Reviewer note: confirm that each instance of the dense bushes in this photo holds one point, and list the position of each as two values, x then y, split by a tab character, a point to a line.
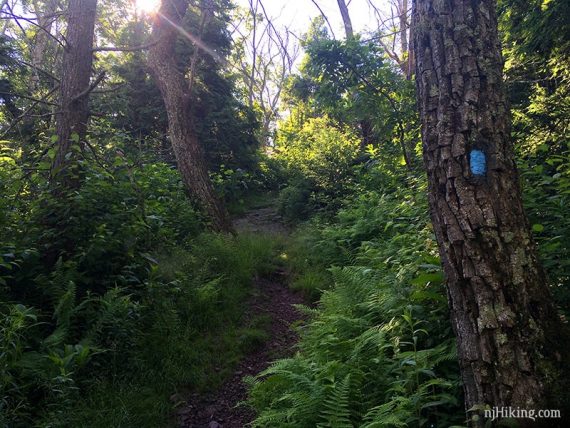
103	335
189	331
378	350
113	298
318	156
546	184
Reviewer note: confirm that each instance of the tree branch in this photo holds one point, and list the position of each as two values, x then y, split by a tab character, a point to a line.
31	21
42	71
26	97
92	86
25	113
325	17
125	48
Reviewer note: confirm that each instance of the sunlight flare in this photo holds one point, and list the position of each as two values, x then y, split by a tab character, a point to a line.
148	6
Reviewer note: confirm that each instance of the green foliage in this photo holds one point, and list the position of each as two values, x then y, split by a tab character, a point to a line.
112	296
320	151
378	350
319	158
155	338
293	202
546	184
236	185
132	300
189	333
351	82
536	36
106	309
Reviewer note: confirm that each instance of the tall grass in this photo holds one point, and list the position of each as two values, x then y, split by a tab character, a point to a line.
180	329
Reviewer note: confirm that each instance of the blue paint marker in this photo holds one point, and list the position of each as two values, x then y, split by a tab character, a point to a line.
478	162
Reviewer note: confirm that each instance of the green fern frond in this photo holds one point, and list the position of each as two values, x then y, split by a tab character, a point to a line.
271	418
394	413
336	407
65	306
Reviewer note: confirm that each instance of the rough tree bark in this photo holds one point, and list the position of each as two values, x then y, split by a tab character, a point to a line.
71	121
508	331
175	91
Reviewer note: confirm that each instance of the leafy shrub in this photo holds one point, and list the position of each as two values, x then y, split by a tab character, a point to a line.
319	156
293	203
110	287
546	190
188	330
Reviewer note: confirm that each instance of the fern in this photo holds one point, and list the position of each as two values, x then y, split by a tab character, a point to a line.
394	413
336	407
377	350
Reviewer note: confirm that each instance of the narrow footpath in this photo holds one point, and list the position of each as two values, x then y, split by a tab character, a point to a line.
272	298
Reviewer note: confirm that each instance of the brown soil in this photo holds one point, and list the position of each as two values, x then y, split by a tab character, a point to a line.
272	298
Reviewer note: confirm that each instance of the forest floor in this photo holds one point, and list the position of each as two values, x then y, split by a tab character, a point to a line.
271	298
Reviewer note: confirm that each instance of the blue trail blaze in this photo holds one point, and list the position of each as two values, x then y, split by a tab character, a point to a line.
478	162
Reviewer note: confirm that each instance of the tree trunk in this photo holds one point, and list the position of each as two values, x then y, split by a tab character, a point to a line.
508	331
177	100
345	19
366	128
411	63
403	6
74	90
367	134
3	4
402	141
407	54
42	41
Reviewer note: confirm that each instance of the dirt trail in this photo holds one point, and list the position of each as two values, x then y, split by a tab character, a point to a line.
266	220
271	297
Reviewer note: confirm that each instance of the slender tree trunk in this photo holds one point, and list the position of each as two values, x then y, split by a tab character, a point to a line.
411	63
403	146
403	26
405	44
177	101
510	337
366	128
367	135
71	127
345	18
42	41
3	4
74	90
253	71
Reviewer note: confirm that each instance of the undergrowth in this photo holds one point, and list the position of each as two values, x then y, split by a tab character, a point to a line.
143	304
191	335
378	350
